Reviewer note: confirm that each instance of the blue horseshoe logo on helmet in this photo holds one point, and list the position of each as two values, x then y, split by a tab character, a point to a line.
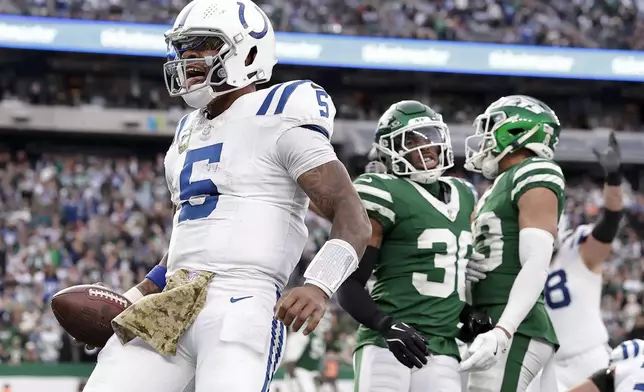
242	20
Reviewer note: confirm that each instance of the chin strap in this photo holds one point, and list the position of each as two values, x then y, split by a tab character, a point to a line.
492	164
425	178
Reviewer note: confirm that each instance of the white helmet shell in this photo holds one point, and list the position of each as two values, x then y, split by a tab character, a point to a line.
242	28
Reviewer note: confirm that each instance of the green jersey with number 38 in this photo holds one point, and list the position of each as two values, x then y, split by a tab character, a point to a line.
420	274
496	235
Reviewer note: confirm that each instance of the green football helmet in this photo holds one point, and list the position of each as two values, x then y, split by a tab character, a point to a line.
412	140
508	125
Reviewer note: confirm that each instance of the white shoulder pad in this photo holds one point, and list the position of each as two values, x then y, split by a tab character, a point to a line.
576	237
300	103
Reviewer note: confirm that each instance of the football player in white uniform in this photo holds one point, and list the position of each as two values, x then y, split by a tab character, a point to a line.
625	374
574	285
239	171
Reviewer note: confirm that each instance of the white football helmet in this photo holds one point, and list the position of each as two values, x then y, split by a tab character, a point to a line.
240	34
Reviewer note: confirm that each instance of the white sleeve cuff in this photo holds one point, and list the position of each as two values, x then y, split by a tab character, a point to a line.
300	150
535	252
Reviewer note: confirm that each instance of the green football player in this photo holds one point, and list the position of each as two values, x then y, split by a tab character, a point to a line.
418	254
515	227
303	357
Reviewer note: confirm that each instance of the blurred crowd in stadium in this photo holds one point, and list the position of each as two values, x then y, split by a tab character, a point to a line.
101	82
80	218
579	23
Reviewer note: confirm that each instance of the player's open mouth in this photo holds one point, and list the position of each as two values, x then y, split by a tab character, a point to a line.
195	75
431	162
430	159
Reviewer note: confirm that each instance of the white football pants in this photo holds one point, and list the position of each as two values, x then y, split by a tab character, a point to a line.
377	370
574	370
234	345
517	367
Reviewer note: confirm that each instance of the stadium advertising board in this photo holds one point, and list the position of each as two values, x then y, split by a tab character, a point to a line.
337	51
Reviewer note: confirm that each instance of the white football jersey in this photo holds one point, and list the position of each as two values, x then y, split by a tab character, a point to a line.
239	209
573	298
628	359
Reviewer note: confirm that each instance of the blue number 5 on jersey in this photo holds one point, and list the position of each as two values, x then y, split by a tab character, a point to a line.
203	192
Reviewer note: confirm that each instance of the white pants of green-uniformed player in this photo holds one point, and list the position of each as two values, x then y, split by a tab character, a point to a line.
377	370
517	367
303	381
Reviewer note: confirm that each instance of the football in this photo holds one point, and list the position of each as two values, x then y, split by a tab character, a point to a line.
86	311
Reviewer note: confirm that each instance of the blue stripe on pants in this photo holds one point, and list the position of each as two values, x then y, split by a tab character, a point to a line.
275	349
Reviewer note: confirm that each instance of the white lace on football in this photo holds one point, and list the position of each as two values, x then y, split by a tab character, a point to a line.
108	295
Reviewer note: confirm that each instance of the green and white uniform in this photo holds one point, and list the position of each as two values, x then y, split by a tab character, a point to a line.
420	274
306	353
508	125
425	244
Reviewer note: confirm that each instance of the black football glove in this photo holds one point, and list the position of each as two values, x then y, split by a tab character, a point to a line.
407	345
475	322
610	160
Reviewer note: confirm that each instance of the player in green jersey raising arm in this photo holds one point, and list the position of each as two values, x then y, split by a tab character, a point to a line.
418	253
514	228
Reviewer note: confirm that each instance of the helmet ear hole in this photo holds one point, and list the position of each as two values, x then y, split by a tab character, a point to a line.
515	131
251	56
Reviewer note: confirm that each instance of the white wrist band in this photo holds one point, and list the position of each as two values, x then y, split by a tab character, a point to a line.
335	261
133	294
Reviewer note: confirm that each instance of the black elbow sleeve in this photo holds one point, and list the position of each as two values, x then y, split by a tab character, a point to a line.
604	380
606	228
366	265
355	299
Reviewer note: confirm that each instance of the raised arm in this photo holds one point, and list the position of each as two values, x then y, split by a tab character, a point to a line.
596	247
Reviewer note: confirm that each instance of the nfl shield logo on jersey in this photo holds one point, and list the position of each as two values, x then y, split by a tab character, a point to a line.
184	140
205	134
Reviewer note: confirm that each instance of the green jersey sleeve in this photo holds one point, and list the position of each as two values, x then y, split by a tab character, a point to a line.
537	173
377	198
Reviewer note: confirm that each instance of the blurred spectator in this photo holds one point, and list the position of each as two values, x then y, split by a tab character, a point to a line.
580	23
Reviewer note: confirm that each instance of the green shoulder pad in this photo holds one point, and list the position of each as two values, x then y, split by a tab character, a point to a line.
376	197
537	173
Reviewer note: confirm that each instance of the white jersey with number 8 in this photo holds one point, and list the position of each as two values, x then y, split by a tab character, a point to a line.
573	299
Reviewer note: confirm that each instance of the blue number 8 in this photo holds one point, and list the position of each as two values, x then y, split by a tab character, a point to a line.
556	293
205	188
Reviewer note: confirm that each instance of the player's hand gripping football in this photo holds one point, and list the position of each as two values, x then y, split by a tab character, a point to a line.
475	270
302	304
408	346
482	354
611	157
